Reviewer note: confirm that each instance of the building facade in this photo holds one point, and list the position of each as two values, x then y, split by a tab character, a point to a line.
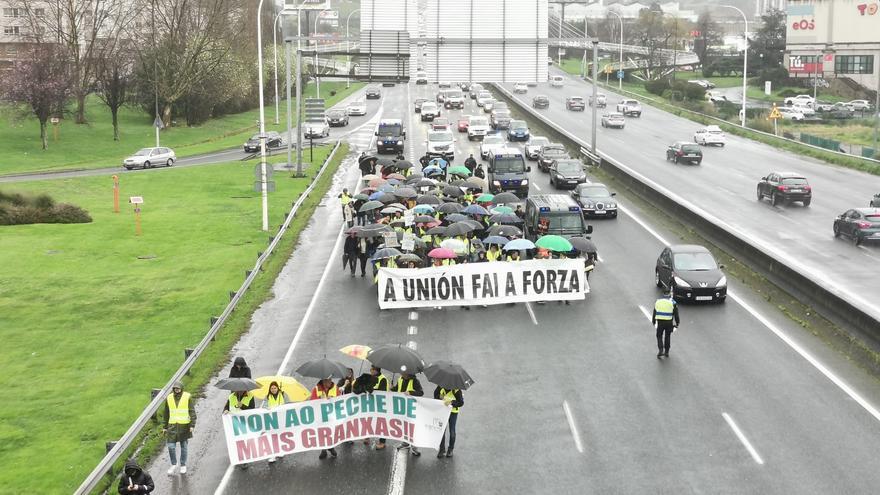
14	32
834	39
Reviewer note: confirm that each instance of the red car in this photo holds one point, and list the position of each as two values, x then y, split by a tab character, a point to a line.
463	123
440	124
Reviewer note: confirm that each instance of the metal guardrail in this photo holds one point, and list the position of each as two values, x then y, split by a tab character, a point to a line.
152	409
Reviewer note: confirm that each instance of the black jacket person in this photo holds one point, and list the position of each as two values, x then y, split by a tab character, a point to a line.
409	384
135	480
240	369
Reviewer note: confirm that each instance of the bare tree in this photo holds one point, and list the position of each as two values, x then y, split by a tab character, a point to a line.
113	74
39	79
85	29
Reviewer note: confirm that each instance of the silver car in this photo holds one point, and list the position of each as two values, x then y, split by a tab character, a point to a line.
150	157
613	119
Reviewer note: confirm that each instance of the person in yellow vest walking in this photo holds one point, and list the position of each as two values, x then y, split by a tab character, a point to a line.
451	397
409	384
344	199
180	421
378	382
665	317
274	398
325	389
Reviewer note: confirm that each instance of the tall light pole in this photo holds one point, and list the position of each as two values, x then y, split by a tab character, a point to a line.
264	187
595	93
745	60
275	58
620	19
348	47
317	72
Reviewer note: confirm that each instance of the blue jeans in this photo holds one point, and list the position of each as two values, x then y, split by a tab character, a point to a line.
453	418
172	452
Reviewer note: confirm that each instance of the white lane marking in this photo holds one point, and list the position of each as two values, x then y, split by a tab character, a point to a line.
643	224
413	315
412	330
599	258
742	438
645	312
531	312
537	187
412	345
398	472
574	432
782	336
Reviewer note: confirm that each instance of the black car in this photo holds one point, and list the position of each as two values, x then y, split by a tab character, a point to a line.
875	201
684	151
373	93
541	101
595	200
785	187
575	103
273	140
691	272
417	104
550	153
567	173
337	118
859	224
388	84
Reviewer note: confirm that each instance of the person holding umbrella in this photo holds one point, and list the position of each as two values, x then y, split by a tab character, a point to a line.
350	253
450	379
325	389
665	317
241	400
451	397
380	383
180	421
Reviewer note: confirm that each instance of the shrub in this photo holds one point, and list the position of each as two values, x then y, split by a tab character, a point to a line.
657	86
760	124
18	209
786	93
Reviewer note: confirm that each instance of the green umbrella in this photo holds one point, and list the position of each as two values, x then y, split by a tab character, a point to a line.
485	198
554	243
362	197
459	170
501	209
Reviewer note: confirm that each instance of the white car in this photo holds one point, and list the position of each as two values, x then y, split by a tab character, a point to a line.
803	100
557	81
614	120
860	105
715	97
699	82
711	134
478	127
533	147
601	100
483	97
440	143
790	113
357	107
149	158
521	88
807	111
313	130
490	144
489	105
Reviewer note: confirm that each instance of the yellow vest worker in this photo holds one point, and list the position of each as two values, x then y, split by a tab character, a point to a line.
493	254
178	411
451	397
180	421
665	316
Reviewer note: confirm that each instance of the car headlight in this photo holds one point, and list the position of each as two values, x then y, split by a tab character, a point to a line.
680	282
722	282
525	182
496	183
612	205
400	143
588	204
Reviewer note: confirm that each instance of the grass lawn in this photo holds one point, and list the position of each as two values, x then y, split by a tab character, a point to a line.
851	131
92	145
575	66
718	81
92	328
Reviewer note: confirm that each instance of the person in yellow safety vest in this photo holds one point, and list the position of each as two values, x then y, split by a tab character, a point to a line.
493	254
451	397
513	256
665	317
344	199
180	421
239	401
274	398
325	389
409	385
378	382
468	197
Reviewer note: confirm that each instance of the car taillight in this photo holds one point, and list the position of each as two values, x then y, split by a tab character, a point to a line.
864	225
679	153
781	188
808	188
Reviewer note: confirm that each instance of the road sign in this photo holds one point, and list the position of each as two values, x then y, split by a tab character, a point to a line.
607	69
270	186
774	114
620	74
314	109
158	123
768	87
258	171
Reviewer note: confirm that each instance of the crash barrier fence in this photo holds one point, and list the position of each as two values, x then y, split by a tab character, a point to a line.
867	159
826	298
119	448
834	145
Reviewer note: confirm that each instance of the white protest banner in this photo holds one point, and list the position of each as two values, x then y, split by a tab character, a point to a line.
321	424
496	282
408	243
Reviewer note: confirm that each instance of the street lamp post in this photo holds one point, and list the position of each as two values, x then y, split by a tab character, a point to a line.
317	71
275	58
264	187
745	60
619	79
595	96
348	48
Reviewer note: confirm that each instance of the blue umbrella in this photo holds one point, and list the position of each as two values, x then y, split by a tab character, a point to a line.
475	210
386	188
432	169
423	209
519	244
438	162
496	239
393	182
376	195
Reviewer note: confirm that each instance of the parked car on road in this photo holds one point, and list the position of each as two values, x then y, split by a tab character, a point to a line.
316	130
575	103
463	122
273	140
567	173
557	81
595	200
785	187
430	111
613	119
483	97
860	105
150	157
439	124
789	113
711	134
683	151
691	272
859	225
500	119
478	127
421	78
440	144
490	143
541	101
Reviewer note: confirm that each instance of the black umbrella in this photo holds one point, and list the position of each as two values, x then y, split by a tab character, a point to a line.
402	164
455	217
457	182
469	184
473	223
322	368
438	230
371	205
374	230
423	183
505	219
409	257
423	219
505	230
453	191
385	162
428	199
237	384
405	192
387	198
354	230
450	208
459	228
448	375
397	358
583	244
505	197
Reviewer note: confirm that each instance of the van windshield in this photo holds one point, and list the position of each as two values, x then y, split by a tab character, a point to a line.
565	221
390	129
509	165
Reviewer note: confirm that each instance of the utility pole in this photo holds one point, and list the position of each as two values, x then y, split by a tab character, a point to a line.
289	112
595	105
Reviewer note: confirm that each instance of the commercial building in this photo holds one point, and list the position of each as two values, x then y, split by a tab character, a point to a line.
834	39
14	31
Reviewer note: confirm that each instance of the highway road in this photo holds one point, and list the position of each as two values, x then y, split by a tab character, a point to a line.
568	399
724	186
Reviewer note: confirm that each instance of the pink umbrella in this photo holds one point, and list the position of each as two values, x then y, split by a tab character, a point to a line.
431	224
377	182
442	253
